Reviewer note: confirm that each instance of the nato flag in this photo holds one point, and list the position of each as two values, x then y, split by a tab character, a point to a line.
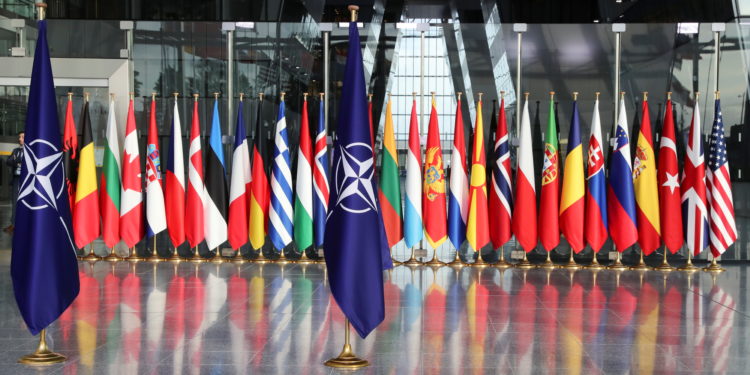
43	266
355	247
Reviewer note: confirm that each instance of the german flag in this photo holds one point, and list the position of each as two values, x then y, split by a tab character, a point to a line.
86	213
259	192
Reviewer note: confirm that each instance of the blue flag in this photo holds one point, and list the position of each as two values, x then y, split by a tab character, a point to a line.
43	266
356	250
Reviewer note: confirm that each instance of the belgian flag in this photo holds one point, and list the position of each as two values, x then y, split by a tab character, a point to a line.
259	191
86	213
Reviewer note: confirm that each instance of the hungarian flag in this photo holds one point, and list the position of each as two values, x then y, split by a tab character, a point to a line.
320	179
596	187
524	211
390	185
175	184
413	201
572	203
196	190
693	187
549	227
458	199
501	193
303	216
477	225
86	213
109	198
670	202
215	203
70	152
259	192
433	194
131	204
646	190
620	196
239	186
156	219
723	228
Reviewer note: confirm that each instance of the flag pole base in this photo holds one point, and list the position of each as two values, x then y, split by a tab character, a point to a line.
395	261
617	265
714	267
524	264
282	258
502	263
134	257
456	263
664	267
303	259
91	257
218	259
688	267
260	259
42	356
572	265
595	265
479	263
347	360
548	264
412	262
155	258
175	258
435	262
238	258
112	257
640	267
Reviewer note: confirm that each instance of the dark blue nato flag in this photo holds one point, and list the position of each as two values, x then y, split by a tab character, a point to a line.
43	265
355	247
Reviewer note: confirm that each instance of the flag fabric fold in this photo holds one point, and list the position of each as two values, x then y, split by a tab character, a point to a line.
196	189
303	204
723	230
524	210
549	226
86	226
620	195
390	184
355	246
645	187
156	218
433	194
573	189
215	208
109	198
501	194
43	265
131	204
477	225
458	199
320	179
174	202
259	190
596	187
239	186
413	201
281	212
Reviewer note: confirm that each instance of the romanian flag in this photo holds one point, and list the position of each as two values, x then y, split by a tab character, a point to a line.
433	194
646	190
620	196
390	186
259	193
572	204
86	213
477	226
549	227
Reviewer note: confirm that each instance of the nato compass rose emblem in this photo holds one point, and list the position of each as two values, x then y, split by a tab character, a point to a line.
354	172
45	179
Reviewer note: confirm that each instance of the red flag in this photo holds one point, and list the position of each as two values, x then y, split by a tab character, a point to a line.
433	194
131	198
194	230
70	150
477	224
670	209
501	193
524	210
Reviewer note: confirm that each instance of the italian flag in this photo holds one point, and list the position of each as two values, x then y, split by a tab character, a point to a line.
109	200
303	225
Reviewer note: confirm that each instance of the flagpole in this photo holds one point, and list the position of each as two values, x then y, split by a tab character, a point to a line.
595	265
347	359
664	266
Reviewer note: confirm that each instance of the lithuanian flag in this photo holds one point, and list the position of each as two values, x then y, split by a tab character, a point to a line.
390	187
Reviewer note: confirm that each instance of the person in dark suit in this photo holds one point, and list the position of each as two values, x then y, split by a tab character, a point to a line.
14	163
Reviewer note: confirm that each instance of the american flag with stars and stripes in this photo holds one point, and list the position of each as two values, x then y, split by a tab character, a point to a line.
723	231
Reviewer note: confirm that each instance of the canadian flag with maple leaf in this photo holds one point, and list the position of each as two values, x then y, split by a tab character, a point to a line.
131	201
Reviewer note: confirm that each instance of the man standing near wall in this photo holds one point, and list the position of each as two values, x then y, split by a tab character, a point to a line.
14	163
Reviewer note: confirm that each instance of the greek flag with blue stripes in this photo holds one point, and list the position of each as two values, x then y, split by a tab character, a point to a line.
281	213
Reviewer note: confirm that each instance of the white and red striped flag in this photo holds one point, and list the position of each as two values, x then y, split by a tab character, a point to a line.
694	210
723	231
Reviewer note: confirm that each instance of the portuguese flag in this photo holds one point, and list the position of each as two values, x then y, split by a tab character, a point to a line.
109	200
86	212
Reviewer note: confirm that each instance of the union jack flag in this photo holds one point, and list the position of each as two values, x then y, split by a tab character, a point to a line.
723	231
694	210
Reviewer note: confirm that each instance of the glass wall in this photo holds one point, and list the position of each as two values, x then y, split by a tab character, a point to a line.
191	58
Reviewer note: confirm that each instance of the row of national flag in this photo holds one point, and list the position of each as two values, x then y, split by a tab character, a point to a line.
199	205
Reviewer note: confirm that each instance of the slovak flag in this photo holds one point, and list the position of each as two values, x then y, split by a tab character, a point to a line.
596	187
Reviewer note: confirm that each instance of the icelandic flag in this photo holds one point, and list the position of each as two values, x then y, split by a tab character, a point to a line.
320	179
355	243
620	194
43	264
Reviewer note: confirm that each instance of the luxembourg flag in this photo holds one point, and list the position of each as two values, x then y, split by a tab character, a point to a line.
175	184
596	187
413	204
621	196
239	186
458	198
156	220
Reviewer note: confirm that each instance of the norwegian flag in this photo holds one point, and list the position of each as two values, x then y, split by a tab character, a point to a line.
723	231
501	195
694	209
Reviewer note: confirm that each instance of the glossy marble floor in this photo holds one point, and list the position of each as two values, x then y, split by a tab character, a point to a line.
241	319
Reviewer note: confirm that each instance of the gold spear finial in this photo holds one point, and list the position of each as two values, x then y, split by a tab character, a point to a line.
304	96
86	96
353	9
282	95
242	96
216	95
414	95
575	95
480	96
622	94
112	96
645	96
153	96
176	94
70	96
526	95
669	95
716	94
502	94
321	95
597	95
195	97
459	95
369	97
551	95
260	95
41	11
131	95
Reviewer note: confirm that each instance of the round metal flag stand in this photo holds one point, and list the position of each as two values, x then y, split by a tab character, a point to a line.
347	359
42	355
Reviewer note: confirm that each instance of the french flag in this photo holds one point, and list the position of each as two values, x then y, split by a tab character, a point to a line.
239	186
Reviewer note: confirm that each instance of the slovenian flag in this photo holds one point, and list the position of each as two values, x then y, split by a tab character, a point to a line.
620	195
